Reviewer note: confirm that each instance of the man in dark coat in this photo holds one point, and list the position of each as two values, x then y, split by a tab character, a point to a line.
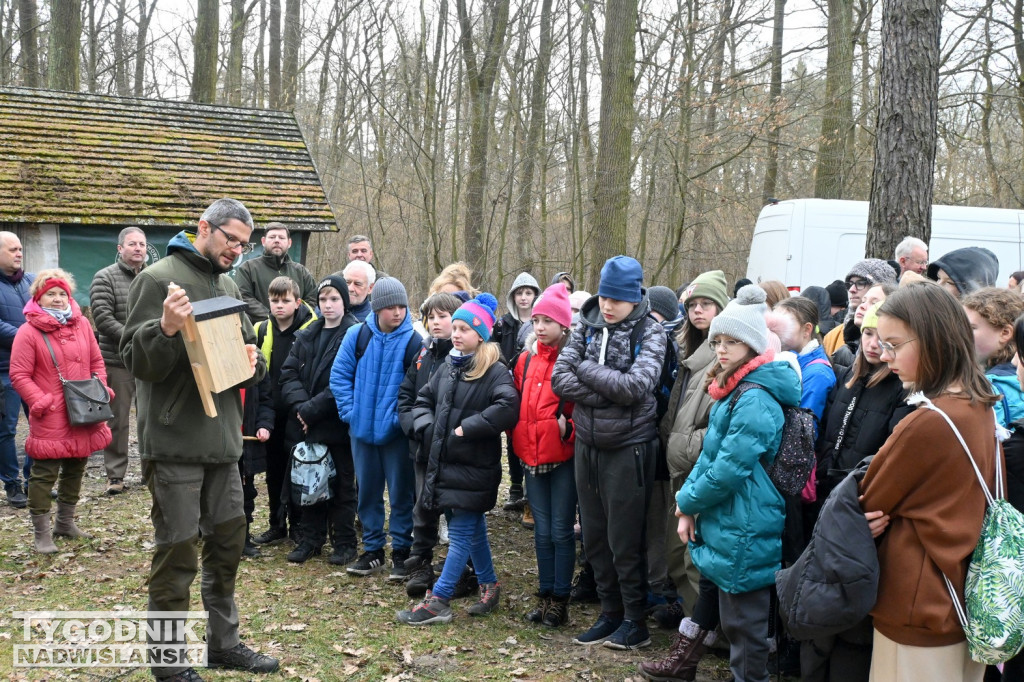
14	284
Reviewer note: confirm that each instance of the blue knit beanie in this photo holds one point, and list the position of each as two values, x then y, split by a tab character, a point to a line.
622	278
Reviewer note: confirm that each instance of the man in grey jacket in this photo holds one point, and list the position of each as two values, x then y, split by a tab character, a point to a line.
108	299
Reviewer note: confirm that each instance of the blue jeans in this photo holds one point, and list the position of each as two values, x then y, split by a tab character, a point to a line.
8	429
553	502
377	466
467	539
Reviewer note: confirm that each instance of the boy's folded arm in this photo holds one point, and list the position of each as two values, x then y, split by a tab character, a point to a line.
636	383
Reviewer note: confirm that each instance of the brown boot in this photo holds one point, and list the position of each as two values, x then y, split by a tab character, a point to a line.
65	525
681	662
43	539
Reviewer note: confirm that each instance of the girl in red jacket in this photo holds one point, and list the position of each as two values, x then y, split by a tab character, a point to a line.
543	439
58	450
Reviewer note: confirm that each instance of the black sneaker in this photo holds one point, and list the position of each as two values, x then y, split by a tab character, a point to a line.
421	576
467	584
369	563
250	549
241	657
630	635
16	497
189	675
304	552
516	501
398	570
584	587
606	625
271	536
343	555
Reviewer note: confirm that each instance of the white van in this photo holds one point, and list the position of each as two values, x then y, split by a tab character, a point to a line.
804	242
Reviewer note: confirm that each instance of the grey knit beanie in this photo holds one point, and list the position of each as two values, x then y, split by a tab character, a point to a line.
388	291
664	302
743	319
874	270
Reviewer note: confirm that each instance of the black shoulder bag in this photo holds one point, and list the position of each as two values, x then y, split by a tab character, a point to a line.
86	400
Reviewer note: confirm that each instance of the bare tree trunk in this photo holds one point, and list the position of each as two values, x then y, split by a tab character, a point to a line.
615	134
233	77
1018	47
837	121
120	52
6	43
145	15
274	54
259	69
290	67
204	46
480	76
771	172
986	113
29	21
905	141
538	100
65	43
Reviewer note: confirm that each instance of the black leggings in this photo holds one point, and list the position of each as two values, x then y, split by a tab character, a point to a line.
705	611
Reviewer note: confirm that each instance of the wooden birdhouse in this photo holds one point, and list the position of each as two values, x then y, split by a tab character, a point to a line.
216	347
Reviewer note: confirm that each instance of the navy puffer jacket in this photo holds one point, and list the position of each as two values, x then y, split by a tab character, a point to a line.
13	297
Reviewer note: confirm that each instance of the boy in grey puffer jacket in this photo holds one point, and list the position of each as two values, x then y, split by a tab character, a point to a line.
613	387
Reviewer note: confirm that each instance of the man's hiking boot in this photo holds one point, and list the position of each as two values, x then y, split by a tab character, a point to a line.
557	614
543	604
515	499
304	552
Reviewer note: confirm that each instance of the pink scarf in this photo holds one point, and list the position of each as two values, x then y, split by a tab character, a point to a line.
718	392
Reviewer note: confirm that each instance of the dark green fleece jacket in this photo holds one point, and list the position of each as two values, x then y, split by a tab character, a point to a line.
172	424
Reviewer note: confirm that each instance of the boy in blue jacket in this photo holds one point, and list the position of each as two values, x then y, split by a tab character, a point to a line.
365	383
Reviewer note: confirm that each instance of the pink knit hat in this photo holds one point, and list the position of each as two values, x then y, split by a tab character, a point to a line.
554	303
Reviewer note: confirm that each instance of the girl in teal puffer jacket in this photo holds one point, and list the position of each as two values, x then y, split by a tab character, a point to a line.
728	508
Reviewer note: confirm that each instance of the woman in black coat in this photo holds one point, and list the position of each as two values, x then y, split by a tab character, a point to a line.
313	418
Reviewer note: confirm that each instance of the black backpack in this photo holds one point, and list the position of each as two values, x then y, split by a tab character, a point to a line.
413	349
794	460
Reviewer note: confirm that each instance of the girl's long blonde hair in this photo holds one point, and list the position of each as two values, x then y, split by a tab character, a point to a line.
487	353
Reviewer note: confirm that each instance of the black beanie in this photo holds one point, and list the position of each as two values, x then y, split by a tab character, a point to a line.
838	293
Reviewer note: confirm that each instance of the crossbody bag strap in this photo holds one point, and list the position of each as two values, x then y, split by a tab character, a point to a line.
46	338
920	399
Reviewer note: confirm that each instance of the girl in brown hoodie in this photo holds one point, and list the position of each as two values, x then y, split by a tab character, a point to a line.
922	498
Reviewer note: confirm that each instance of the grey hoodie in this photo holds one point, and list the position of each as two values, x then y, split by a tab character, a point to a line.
523	279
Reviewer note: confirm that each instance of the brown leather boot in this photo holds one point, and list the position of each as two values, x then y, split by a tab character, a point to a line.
42	538
681	662
65	524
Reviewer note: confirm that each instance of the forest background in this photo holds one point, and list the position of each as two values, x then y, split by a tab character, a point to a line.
469	129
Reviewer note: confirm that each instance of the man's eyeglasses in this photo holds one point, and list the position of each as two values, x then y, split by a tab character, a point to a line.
233	242
858	284
890	348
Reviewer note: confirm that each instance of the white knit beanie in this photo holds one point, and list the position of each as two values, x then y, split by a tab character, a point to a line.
743	319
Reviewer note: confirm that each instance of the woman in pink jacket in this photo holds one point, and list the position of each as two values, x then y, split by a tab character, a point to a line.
59	451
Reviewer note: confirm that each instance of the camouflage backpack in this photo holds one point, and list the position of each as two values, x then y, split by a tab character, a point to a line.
993	616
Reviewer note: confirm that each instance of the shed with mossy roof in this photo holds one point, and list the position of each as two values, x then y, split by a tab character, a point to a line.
76	168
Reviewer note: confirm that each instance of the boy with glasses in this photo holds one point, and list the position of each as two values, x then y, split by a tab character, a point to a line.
862	276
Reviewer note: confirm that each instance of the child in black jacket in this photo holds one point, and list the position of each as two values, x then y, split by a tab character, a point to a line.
305	379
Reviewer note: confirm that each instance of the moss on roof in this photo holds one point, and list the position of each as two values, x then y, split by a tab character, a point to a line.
91	159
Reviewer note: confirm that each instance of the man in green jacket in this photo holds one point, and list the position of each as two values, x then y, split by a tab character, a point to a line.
254	276
190	461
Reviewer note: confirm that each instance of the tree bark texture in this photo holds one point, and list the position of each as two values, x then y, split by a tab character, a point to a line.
204	46
771	172
233	77
274	55
480	73
615	134
65	44
538	100
834	153
290	67
141	41
29	21
902	180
